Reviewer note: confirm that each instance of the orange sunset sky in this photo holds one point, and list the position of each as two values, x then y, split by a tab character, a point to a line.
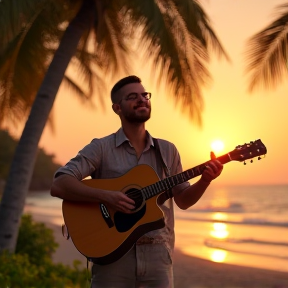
231	114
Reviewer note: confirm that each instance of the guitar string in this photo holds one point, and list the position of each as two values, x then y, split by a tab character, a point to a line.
166	183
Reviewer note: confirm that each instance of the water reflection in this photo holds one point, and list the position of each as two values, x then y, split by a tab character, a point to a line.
219	232
218	255
219	216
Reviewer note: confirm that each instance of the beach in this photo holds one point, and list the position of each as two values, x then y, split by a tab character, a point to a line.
191	271
251	243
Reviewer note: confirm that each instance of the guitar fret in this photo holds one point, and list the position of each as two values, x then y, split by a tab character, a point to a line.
172	178
144	192
151	190
158	186
165	184
185	176
149	193
154	187
169	183
192	173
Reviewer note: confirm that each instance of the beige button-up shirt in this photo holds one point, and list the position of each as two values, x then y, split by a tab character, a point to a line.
113	156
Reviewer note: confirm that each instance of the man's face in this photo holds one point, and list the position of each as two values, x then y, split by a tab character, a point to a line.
133	105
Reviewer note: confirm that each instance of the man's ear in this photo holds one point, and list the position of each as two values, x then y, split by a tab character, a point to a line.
116	108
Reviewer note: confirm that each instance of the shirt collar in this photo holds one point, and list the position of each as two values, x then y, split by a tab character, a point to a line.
121	138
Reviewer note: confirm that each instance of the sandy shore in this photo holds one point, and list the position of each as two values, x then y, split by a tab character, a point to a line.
191	271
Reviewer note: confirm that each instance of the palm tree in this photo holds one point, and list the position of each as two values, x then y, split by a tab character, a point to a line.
27	47
177	37
267	53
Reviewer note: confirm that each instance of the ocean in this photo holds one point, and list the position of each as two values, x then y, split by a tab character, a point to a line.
241	225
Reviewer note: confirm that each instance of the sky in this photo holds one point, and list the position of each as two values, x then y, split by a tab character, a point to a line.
231	114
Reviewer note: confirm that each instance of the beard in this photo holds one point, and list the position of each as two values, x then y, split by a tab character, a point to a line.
135	116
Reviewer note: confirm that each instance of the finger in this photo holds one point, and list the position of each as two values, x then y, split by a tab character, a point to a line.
218	164
127	199
128	206
215	166
130	201
212	155
212	167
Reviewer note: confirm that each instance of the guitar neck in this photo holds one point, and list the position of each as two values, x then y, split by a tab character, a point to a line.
172	181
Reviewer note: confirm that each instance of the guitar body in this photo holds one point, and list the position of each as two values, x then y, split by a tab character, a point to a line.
104	241
104	235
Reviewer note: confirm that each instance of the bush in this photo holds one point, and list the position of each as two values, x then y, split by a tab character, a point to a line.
35	240
32	267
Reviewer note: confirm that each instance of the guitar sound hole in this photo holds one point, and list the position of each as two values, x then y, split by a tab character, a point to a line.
135	195
124	222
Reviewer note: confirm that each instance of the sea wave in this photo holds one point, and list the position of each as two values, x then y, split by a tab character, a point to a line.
233	207
242	221
235	245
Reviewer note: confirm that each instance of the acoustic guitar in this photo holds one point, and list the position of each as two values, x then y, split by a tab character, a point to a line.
104	235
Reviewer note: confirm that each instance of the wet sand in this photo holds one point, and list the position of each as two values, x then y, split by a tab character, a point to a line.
191	271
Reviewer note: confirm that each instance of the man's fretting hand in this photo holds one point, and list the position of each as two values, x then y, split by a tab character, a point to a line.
212	169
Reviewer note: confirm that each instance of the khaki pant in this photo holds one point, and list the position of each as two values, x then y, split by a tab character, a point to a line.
147	265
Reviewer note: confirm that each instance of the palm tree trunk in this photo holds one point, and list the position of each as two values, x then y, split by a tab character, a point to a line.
15	192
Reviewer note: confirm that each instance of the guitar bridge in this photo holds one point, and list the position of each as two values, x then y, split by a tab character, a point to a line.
106	215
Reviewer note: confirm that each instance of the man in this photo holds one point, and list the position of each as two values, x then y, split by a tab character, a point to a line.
149	262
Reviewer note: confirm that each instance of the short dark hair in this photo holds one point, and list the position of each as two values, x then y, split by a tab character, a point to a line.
124	81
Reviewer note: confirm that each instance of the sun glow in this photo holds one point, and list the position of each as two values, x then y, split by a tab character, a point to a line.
218	255
219	231
217	146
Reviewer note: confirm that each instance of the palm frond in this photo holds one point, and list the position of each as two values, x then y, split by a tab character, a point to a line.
177	36
199	26
110	44
82	95
266	53
22	44
89	71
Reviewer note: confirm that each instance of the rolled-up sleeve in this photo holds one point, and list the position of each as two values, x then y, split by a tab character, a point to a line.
85	163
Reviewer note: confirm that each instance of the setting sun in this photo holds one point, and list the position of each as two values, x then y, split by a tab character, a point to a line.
217	146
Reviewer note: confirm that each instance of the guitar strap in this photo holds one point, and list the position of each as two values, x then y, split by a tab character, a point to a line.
167	194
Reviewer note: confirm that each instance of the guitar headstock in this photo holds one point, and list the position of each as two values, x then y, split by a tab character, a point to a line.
248	151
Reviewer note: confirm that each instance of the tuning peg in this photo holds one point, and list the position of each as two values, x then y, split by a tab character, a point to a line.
251	161
259	158
244	163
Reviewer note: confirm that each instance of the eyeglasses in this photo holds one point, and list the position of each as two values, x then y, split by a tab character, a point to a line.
134	96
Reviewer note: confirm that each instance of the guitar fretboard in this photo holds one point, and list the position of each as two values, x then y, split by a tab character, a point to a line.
172	181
